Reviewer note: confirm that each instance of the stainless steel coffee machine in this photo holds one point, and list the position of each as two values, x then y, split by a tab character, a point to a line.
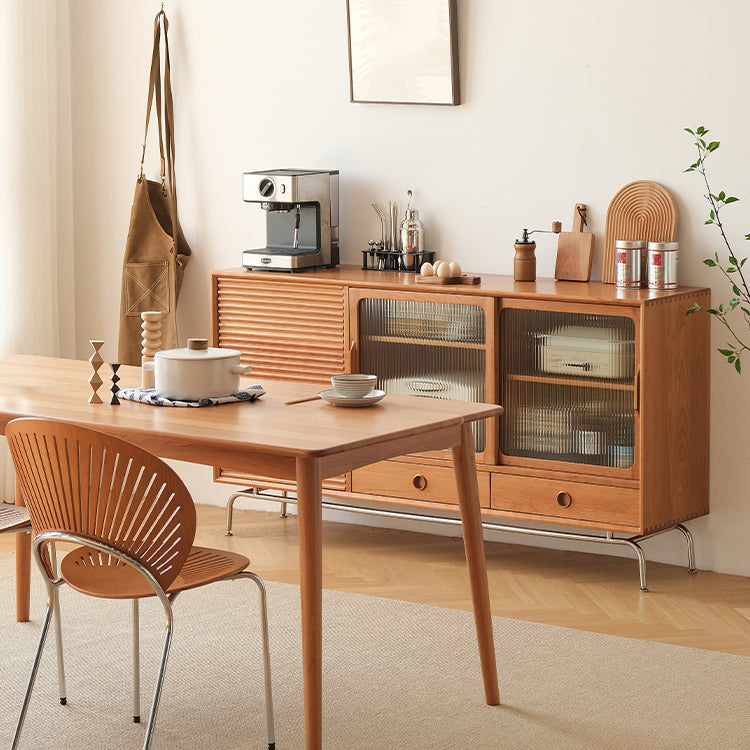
302	218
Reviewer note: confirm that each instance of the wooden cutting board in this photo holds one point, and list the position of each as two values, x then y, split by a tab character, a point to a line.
575	250
641	210
462	279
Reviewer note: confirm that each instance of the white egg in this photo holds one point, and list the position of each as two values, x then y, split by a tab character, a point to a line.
444	270
427	269
455	268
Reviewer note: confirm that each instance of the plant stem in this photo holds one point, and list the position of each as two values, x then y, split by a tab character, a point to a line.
717	220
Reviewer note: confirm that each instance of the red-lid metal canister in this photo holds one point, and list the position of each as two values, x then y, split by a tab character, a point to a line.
662	265
630	258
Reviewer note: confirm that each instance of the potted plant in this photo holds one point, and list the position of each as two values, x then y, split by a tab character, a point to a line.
732	268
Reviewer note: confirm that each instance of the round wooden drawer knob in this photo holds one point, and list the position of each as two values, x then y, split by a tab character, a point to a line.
564	499
419	481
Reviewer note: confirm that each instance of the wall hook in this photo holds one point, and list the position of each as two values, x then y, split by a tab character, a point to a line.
582	213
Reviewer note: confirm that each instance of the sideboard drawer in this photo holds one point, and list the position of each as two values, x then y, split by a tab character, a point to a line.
230	476
566	500
415	482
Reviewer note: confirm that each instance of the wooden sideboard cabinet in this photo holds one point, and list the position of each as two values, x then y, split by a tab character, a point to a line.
604	435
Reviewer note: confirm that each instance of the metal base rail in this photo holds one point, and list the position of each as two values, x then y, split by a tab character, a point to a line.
632	542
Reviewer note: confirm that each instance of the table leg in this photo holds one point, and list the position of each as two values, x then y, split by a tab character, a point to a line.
471	522
23	567
310	518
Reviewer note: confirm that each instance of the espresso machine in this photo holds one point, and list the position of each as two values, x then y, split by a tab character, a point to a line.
302	218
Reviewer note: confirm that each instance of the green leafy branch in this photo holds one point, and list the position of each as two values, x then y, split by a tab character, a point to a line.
733	268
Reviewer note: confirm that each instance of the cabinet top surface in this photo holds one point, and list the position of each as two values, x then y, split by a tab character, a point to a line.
492	285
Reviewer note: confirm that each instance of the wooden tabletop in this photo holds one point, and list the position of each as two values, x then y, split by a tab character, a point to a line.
229	434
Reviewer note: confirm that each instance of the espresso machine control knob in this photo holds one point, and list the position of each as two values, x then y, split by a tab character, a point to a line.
266	187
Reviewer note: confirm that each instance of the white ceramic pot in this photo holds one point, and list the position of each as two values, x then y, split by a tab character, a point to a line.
197	371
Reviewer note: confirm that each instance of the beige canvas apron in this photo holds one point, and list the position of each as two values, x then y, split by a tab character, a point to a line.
156	251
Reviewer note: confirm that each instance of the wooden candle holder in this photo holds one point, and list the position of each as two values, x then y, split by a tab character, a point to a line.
114	401
96	362
150	344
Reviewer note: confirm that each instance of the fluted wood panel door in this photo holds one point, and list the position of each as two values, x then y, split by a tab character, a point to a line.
285	329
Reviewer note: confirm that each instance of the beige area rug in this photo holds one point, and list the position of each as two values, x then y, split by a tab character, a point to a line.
396	675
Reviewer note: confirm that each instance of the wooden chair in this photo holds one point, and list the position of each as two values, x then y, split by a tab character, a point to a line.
134	521
14	519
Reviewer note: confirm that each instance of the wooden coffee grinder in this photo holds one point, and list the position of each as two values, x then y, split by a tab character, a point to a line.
524	261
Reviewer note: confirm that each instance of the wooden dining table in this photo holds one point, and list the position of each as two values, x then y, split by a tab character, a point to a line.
305	443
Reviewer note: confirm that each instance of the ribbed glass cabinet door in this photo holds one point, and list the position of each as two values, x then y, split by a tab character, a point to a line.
424	348
568	387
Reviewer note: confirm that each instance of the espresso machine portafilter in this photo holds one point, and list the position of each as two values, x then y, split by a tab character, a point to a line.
302	218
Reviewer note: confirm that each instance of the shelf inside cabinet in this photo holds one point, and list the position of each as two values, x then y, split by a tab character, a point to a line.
574	382
423	342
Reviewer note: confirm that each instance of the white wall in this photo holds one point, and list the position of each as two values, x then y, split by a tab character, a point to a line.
562	103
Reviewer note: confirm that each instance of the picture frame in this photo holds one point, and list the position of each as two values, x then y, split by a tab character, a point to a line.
403	52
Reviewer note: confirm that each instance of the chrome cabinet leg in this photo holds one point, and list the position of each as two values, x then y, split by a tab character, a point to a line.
638	553
251	492
230	508
690	547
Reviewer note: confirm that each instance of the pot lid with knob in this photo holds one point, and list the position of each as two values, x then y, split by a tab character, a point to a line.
197	349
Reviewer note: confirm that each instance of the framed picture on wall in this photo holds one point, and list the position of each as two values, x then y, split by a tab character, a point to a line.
403	51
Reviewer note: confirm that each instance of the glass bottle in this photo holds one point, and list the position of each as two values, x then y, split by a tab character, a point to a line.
411	236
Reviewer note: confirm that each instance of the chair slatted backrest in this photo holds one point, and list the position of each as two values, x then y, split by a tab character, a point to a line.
77	480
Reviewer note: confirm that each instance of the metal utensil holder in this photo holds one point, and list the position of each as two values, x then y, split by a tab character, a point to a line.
377	258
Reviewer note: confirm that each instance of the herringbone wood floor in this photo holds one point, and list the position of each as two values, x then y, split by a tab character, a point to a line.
587	591
581	590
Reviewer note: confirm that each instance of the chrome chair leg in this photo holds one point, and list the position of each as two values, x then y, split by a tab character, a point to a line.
266	655
35	667
59	646
58	633
136	664
160	679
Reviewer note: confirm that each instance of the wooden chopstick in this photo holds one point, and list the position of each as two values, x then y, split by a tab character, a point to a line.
301	400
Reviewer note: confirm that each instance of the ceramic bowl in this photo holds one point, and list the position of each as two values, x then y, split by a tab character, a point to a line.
353	385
